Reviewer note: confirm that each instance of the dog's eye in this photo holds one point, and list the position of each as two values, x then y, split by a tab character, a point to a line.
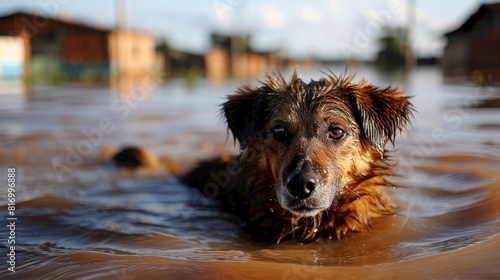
336	133
279	132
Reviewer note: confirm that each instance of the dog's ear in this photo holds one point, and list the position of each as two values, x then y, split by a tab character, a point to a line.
381	113
242	113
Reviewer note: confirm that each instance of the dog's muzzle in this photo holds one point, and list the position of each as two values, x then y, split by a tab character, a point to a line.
301	184
303	193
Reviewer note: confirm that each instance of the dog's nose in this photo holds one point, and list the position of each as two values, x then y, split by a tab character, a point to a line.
299	184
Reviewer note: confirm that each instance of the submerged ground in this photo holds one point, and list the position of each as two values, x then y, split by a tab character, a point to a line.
80	218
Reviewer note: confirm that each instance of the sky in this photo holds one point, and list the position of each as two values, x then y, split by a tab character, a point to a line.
329	29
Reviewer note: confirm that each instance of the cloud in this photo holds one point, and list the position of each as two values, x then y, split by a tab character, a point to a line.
273	17
311	15
433	22
391	14
336	7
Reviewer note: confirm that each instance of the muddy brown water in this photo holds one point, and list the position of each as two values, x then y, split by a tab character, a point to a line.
80	218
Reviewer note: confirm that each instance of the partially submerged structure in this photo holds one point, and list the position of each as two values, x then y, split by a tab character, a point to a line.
474	48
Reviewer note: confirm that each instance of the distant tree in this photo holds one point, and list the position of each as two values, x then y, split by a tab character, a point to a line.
164	46
221	40
238	41
392	52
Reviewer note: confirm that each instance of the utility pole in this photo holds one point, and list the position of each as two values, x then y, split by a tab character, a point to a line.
410	57
121	38
122	15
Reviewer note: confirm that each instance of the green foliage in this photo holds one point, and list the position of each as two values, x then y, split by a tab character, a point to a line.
191	76
164	47
393	48
88	76
57	76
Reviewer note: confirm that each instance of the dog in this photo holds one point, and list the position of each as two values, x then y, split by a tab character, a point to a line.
313	162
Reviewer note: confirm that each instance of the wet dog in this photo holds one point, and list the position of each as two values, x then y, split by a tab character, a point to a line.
312	159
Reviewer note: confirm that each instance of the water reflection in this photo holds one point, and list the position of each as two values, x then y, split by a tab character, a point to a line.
137	87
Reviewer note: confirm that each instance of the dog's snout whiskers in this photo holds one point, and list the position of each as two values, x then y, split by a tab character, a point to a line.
349	189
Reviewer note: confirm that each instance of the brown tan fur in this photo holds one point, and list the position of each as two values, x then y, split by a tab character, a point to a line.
347	175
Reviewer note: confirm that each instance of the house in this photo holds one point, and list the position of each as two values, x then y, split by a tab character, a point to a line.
217	67
11	58
232	56
59	50
474	48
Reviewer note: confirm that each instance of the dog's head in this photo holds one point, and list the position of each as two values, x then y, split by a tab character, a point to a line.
315	137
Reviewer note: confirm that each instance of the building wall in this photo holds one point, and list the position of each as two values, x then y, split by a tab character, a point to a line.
456	58
485	54
82	45
84	54
58	50
475	52
249	65
19	27
11	58
216	65
131	53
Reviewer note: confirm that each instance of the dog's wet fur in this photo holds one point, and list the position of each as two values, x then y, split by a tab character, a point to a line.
312	160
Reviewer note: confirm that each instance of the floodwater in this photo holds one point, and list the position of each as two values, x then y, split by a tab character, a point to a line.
80	218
